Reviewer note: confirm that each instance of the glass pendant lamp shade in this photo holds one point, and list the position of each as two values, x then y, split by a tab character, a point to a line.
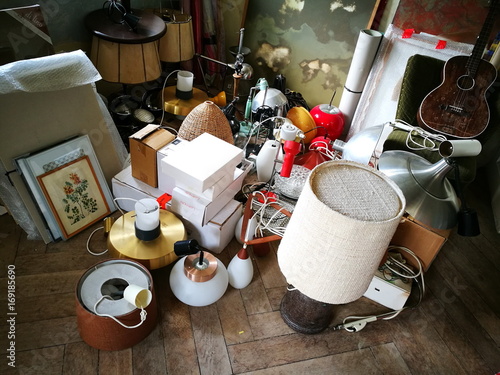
198	279
178	43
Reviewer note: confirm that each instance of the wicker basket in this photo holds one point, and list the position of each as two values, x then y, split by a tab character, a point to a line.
206	117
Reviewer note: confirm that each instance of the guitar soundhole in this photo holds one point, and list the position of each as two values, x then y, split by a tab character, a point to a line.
465	82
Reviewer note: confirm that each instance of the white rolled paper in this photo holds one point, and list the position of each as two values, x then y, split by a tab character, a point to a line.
147	214
185	81
362	60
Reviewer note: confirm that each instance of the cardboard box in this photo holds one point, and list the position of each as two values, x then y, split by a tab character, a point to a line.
200	210
143	148
219	231
202	162
124	185
425	242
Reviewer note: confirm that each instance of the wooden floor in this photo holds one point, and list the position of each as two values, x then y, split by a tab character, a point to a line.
455	330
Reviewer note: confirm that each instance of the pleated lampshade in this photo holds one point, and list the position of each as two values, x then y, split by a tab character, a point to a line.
126	63
125	55
340	229
178	43
206	117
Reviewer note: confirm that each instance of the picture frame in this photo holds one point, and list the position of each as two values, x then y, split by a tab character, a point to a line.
75	195
41	162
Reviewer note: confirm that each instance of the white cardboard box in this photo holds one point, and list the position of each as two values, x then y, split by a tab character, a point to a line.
201	163
200	210
126	186
166	182
219	231
391	294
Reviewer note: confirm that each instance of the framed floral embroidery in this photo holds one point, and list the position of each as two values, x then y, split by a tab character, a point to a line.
75	195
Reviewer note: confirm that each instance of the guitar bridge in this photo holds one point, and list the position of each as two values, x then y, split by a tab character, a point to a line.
454	110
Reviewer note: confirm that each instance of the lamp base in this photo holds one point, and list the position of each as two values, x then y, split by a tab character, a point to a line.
124	244
304	314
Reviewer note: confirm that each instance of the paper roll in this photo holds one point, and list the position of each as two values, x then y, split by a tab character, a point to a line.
362	60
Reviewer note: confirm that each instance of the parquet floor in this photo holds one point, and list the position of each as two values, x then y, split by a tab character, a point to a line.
455	330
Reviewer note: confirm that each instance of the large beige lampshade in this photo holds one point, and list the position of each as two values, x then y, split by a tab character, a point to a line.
339	231
126	63
122	55
178	43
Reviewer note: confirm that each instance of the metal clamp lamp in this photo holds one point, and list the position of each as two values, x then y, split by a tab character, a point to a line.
431	198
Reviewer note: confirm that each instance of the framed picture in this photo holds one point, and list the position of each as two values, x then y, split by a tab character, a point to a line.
74	195
44	170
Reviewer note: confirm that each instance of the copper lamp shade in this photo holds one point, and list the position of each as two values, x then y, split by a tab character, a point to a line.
178	43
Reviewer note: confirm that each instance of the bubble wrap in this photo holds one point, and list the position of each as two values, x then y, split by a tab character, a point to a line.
49	73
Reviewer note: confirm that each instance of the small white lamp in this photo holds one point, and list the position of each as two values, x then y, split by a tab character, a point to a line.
198	278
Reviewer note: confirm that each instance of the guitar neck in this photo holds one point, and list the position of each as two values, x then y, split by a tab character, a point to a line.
482	39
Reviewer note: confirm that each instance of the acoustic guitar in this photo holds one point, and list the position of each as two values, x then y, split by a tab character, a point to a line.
458	106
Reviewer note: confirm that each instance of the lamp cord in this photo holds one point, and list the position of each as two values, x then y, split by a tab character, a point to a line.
357	323
142	314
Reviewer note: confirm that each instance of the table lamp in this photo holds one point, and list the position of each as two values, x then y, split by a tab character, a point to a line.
125	50
334	242
146	235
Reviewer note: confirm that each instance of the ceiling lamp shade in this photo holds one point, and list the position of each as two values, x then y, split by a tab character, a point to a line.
178	43
125	55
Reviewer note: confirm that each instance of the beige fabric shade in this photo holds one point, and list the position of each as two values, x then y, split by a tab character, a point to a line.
178	42
339	231
126	63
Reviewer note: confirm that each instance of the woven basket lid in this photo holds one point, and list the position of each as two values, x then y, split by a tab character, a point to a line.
206	117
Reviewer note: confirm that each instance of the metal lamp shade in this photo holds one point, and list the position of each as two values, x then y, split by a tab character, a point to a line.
126	63
340	229
178	43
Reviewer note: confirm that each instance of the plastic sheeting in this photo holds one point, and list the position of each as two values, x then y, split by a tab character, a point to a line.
49	73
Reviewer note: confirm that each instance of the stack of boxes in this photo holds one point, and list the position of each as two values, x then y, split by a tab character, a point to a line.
202	176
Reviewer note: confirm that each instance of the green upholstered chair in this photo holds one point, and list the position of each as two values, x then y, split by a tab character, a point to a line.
422	75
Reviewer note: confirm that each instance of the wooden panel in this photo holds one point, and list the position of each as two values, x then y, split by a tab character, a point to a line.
180	350
210	345
39	361
389	359
149	355
354	362
268	325
422	348
79	358
280	350
233	318
46	333
116	362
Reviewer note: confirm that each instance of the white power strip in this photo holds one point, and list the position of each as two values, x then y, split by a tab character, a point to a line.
392	294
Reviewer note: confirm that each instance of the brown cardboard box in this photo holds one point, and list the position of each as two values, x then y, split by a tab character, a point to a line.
425	242
143	148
